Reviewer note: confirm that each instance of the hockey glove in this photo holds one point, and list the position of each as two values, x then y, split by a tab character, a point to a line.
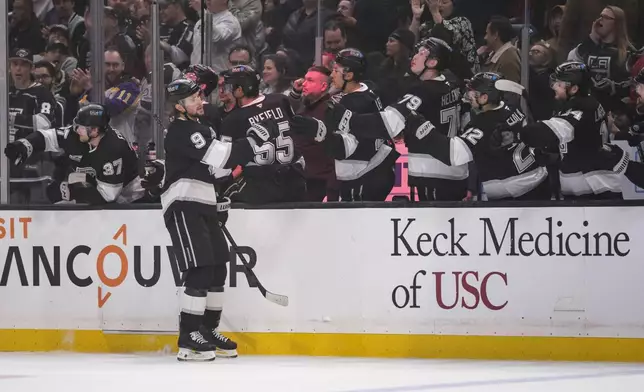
19	151
223	205
267	131
154	175
206	76
309	127
337	117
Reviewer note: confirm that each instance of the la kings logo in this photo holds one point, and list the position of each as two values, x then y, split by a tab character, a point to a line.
599	66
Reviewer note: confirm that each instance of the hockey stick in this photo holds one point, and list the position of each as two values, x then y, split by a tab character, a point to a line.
281	300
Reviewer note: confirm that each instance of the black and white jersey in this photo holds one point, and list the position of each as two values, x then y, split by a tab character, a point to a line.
179	37
29	109
508	171
579	129
440	102
192	152
111	166
267	107
354	156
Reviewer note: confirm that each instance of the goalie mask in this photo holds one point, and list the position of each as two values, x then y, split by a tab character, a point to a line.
91	121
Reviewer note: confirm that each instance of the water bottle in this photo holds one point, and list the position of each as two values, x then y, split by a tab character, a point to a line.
151	156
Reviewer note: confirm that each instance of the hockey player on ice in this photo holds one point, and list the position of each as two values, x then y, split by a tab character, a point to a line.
102	164
193	213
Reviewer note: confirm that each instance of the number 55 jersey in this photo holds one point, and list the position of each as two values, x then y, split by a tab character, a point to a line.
276	173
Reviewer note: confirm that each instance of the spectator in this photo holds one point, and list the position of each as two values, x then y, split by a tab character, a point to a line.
240	55
502	57
226	32
276	12
606	52
458	27
45	73
542	64
57	53
143	117
249	15
335	37
25	29
320	169
579	17
345	10
121	95
275	78
63	15
553	26
175	33
301	29
393	69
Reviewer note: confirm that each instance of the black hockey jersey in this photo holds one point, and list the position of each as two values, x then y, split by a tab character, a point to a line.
439	101
505	170
30	109
110	169
579	129
266	107
192	152
355	156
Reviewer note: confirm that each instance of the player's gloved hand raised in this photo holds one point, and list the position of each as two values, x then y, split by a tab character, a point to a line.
207	76
309	127
18	152
337	117
223	205
154	175
267	131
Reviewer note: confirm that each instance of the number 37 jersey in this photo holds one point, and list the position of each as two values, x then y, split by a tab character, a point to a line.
275	107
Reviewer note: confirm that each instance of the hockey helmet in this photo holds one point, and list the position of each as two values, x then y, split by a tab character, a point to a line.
438	50
485	83
573	73
352	60
245	77
93	115
181	89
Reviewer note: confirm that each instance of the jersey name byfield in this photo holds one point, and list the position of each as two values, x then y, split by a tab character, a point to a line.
275	114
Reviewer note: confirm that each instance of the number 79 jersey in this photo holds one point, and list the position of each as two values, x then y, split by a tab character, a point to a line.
265	108
439	101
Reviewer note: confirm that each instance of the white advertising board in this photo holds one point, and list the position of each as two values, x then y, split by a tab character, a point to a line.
457	271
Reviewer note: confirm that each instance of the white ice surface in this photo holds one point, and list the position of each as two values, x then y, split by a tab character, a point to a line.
27	372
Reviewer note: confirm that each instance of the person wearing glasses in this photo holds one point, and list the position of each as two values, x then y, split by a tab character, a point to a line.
607	52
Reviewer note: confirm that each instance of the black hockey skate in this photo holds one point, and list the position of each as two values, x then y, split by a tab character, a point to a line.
226	348
194	347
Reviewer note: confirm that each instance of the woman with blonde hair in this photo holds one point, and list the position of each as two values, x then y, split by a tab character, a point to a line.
607	52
